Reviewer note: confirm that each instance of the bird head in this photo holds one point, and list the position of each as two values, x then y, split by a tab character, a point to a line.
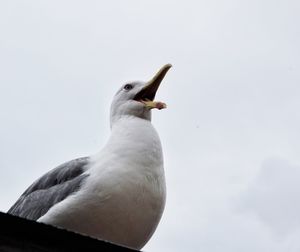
137	98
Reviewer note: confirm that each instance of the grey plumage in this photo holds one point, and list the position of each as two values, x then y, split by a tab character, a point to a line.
52	188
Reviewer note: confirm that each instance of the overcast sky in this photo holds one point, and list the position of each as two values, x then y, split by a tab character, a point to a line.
230	135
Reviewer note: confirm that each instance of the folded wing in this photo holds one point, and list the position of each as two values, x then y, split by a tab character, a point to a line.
50	189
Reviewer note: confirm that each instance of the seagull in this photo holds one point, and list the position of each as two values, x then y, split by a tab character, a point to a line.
118	194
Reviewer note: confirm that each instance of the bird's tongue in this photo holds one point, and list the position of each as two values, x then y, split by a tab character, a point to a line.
154	104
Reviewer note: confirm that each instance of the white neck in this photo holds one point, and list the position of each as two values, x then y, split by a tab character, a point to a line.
136	137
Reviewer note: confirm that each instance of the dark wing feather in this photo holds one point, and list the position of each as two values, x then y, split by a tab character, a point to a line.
50	189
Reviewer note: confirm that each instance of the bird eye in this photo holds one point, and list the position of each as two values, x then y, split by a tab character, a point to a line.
127	87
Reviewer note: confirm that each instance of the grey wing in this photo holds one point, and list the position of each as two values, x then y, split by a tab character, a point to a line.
50	189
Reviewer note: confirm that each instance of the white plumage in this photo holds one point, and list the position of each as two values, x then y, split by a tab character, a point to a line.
122	194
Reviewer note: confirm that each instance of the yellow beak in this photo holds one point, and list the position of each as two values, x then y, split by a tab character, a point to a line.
147	94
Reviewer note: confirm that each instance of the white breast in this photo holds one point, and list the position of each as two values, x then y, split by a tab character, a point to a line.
123	198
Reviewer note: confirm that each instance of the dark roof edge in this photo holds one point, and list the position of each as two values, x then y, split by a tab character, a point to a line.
19	234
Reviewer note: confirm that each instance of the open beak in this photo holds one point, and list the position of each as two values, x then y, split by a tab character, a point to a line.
147	94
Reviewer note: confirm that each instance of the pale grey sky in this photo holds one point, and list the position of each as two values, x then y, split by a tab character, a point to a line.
231	131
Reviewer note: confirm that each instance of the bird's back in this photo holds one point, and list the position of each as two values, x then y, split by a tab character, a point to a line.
50	189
